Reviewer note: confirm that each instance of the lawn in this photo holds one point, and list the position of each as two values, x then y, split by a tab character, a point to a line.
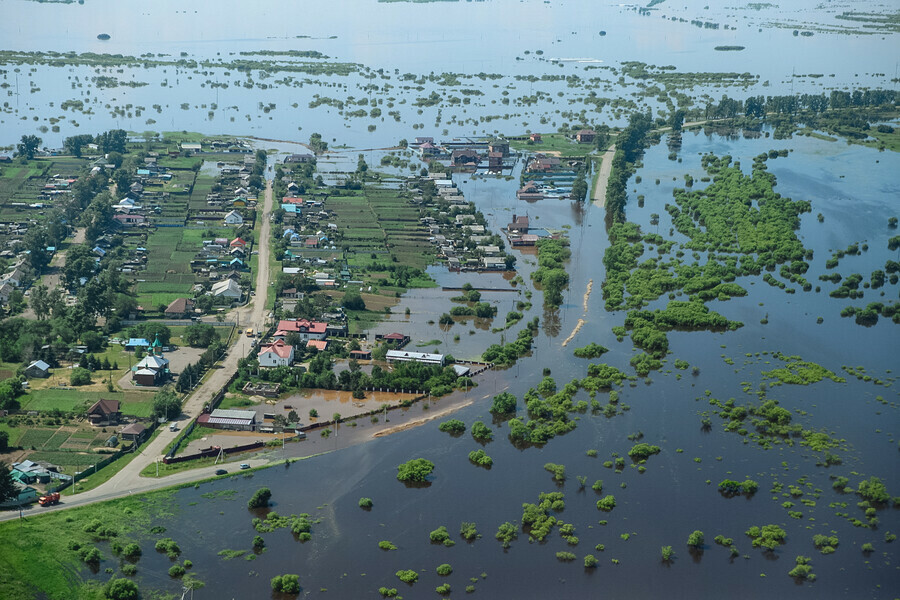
138	404
555	142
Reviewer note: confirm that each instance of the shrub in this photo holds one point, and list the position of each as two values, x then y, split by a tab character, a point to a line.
504	403
643	451
443	589
169	546
176	571
128	569
286	584
258	542
131	551
481	432
480	458
260	499
417	469
441	536
565	556
365	503
407	576
80	376
667	553
468	531
121	589
590	561
444	569
452	426
386	545
388	592
607	503
695	540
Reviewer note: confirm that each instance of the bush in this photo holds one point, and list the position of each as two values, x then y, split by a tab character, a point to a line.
504	403
128	569
417	469
695	540
469	531
590	561
131	551
407	576
444	569
258	542
607	503
443	589
643	451
169	546
286	584
441	536
667	553
481	432
480	458
454	426
365	503
176	571
121	589
388	592
260	499
80	376
386	545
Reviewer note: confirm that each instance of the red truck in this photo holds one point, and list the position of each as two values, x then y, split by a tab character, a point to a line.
49	499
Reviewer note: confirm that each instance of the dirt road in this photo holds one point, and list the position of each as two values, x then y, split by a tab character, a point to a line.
599	195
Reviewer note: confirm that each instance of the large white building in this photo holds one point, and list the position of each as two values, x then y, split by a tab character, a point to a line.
422	357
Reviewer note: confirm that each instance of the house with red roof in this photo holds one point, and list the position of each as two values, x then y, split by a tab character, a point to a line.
277	354
318	345
237	243
307	330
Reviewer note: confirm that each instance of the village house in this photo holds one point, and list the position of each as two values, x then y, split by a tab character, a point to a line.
104	412
317	345
234	218
519	224
500	146
134	343
361	354
179	308
277	354
585	136
398	339
228	289
307	330
495	160
464	157
530	191
535	138
299	159
135	432
38	368
129	220
493	263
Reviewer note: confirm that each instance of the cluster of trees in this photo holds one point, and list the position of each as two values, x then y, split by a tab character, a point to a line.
551	274
416	470
729	487
629	145
508	354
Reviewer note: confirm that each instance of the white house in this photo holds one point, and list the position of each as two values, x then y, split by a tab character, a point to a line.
234	218
226	289
277	354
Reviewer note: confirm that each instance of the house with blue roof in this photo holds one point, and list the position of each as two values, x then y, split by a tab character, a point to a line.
134	343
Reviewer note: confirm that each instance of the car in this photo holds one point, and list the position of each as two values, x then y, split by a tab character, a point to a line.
245	466
221	472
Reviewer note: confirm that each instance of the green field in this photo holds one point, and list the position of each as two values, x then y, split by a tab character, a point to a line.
133	403
555	142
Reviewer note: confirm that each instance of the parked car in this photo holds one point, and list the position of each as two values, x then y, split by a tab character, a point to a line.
221	472
245	466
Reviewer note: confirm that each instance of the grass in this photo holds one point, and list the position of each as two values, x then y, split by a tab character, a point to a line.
36	561
555	142
132	403
197	433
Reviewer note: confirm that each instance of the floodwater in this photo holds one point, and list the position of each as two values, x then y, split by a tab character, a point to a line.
854	188
677	493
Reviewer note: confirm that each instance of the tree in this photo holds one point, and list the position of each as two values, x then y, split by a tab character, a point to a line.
260	499
121	589
695	540
28	146
166	403
504	403
286	584
75	143
8	489
200	335
80	376
4	441
353	301
417	469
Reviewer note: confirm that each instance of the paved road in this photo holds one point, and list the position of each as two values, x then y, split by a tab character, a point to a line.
128	480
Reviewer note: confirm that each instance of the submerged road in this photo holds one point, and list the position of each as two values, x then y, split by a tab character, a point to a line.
129	480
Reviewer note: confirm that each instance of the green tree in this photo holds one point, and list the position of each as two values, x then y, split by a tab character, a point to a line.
353	301
8	489
200	335
166	404
80	376
121	589
417	469
286	584
260	499
695	540
28	146
504	403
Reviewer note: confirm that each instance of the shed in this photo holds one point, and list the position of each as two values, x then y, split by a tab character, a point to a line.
37	368
134	432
